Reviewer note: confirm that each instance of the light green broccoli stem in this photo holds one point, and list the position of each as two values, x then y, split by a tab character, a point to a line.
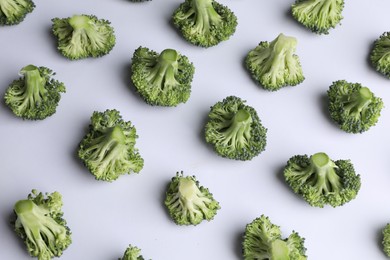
163	73
238	130
12	9
326	179
279	250
358	102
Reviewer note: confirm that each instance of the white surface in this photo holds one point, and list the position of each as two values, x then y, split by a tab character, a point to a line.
106	217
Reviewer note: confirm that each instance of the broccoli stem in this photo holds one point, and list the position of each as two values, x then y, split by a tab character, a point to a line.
206	16
326	181
279	250
238	132
163	73
358	102
84	31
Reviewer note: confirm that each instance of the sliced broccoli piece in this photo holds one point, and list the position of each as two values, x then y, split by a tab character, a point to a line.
39	222
353	107
35	95
318	15
274	64
14	11
82	36
263	241
108	150
386	239
320	180
132	253
380	54
189	203
204	22
162	79
235	130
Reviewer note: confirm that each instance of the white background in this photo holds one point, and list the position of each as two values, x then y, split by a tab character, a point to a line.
106	217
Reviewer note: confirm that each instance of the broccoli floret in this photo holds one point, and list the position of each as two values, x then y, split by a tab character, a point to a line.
204	22
82	36
189	203
318	15
162	79
386	239
274	64
35	95
235	130
320	180
39	222
380	54
263	241
14	11
132	253
353	107
108	150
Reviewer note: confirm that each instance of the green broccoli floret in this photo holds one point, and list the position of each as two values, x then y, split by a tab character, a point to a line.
274	64
40	224
380	54
204	22
235	130
320	180
132	253
35	95
14	11
353	107
108	150
162	79
82	36
189	203
386	239
263	241
318	15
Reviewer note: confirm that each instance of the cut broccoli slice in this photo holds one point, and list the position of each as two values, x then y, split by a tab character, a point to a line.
320	180
35	95
189	203
108	150
386	239
204	22
318	15
380	54
40	224
82	36
235	130
132	253
263	241
353	107
14	11
274	64
162	79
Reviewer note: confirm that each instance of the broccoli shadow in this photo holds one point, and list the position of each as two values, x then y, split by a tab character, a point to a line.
126	74
162	199
201	133
238	238
281	179
323	100
53	42
379	238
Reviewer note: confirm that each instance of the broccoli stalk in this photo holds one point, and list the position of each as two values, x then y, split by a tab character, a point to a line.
14	11
380	54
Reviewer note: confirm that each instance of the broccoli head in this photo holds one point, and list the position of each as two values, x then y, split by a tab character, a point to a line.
39	222
274	64
318	15
162	79
82	36
204	22
235	130
108	150
263	241
380	54
320	180
132	253
189	203
353	107
386	239
35	95
14	11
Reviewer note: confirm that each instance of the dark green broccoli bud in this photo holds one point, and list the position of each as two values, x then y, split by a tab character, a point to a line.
386	240
204	22
14	11
39	222
35	95
263	241
380	54
320	181
235	130
162	79
318	15
132	253
189	203
274	64
108	150
353	107
82	36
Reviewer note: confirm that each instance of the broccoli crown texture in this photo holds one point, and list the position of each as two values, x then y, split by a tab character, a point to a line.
40	224
162	79
35	95
132	253
263	241
274	64
14	11
353	107
235	130
108	150
386	239
82	36
318	15
380	54
204	22
320	181
189	203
